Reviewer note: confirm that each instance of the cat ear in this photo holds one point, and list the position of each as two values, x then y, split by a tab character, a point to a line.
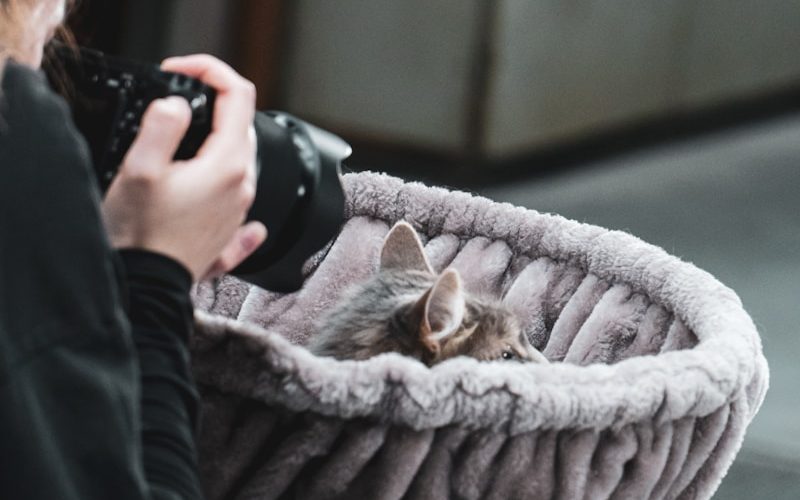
443	310
402	250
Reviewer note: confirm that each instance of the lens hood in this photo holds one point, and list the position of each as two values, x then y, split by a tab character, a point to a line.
299	198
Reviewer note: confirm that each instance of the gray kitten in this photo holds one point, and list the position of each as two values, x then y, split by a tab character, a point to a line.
408	309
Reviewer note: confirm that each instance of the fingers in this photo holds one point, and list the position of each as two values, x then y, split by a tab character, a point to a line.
230	149
246	241
236	96
209	69
163	127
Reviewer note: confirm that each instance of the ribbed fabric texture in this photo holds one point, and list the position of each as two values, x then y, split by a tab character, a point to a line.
657	370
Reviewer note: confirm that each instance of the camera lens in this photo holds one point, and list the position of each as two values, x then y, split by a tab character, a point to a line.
299	198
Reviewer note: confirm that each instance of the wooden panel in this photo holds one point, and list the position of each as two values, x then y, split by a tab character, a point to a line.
258	43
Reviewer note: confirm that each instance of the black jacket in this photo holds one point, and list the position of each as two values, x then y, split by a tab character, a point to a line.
96	397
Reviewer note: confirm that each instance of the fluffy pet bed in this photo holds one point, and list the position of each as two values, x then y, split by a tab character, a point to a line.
657	370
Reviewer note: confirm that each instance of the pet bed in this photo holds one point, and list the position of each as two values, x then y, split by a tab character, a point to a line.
656	369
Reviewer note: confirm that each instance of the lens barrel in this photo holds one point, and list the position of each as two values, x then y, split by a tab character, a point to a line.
299	198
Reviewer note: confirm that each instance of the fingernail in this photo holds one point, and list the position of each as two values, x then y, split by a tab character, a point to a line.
256	236
174	100
176	105
250	241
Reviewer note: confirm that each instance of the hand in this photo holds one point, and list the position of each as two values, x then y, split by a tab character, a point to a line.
193	210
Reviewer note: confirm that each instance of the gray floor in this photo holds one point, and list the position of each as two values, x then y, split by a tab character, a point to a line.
728	202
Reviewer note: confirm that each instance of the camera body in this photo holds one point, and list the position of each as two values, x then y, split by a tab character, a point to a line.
299	196
109	97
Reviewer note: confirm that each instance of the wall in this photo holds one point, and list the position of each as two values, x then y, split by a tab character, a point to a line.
409	72
394	71
155	29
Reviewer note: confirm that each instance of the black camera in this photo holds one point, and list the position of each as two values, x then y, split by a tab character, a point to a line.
299	196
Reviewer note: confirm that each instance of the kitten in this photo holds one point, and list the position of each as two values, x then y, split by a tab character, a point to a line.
408	309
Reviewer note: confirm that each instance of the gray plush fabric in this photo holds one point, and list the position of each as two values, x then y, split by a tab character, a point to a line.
657	369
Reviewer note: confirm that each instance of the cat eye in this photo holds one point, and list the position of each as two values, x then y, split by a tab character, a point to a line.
509	355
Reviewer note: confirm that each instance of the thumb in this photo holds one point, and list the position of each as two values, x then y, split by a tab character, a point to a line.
163	127
246	241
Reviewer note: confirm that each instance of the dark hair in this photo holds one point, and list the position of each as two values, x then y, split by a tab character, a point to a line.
51	64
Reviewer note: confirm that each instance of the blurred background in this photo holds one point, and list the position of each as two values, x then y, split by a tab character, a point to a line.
678	121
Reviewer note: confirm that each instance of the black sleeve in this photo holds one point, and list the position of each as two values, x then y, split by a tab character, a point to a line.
160	313
92	406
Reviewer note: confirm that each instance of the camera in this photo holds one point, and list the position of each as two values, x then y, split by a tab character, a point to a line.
299	196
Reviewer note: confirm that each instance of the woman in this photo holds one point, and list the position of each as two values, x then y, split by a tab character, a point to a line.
96	398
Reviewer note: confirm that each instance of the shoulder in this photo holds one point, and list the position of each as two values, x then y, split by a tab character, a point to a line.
36	124
28	100
26	90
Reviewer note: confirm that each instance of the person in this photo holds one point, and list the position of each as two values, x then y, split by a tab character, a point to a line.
96	395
